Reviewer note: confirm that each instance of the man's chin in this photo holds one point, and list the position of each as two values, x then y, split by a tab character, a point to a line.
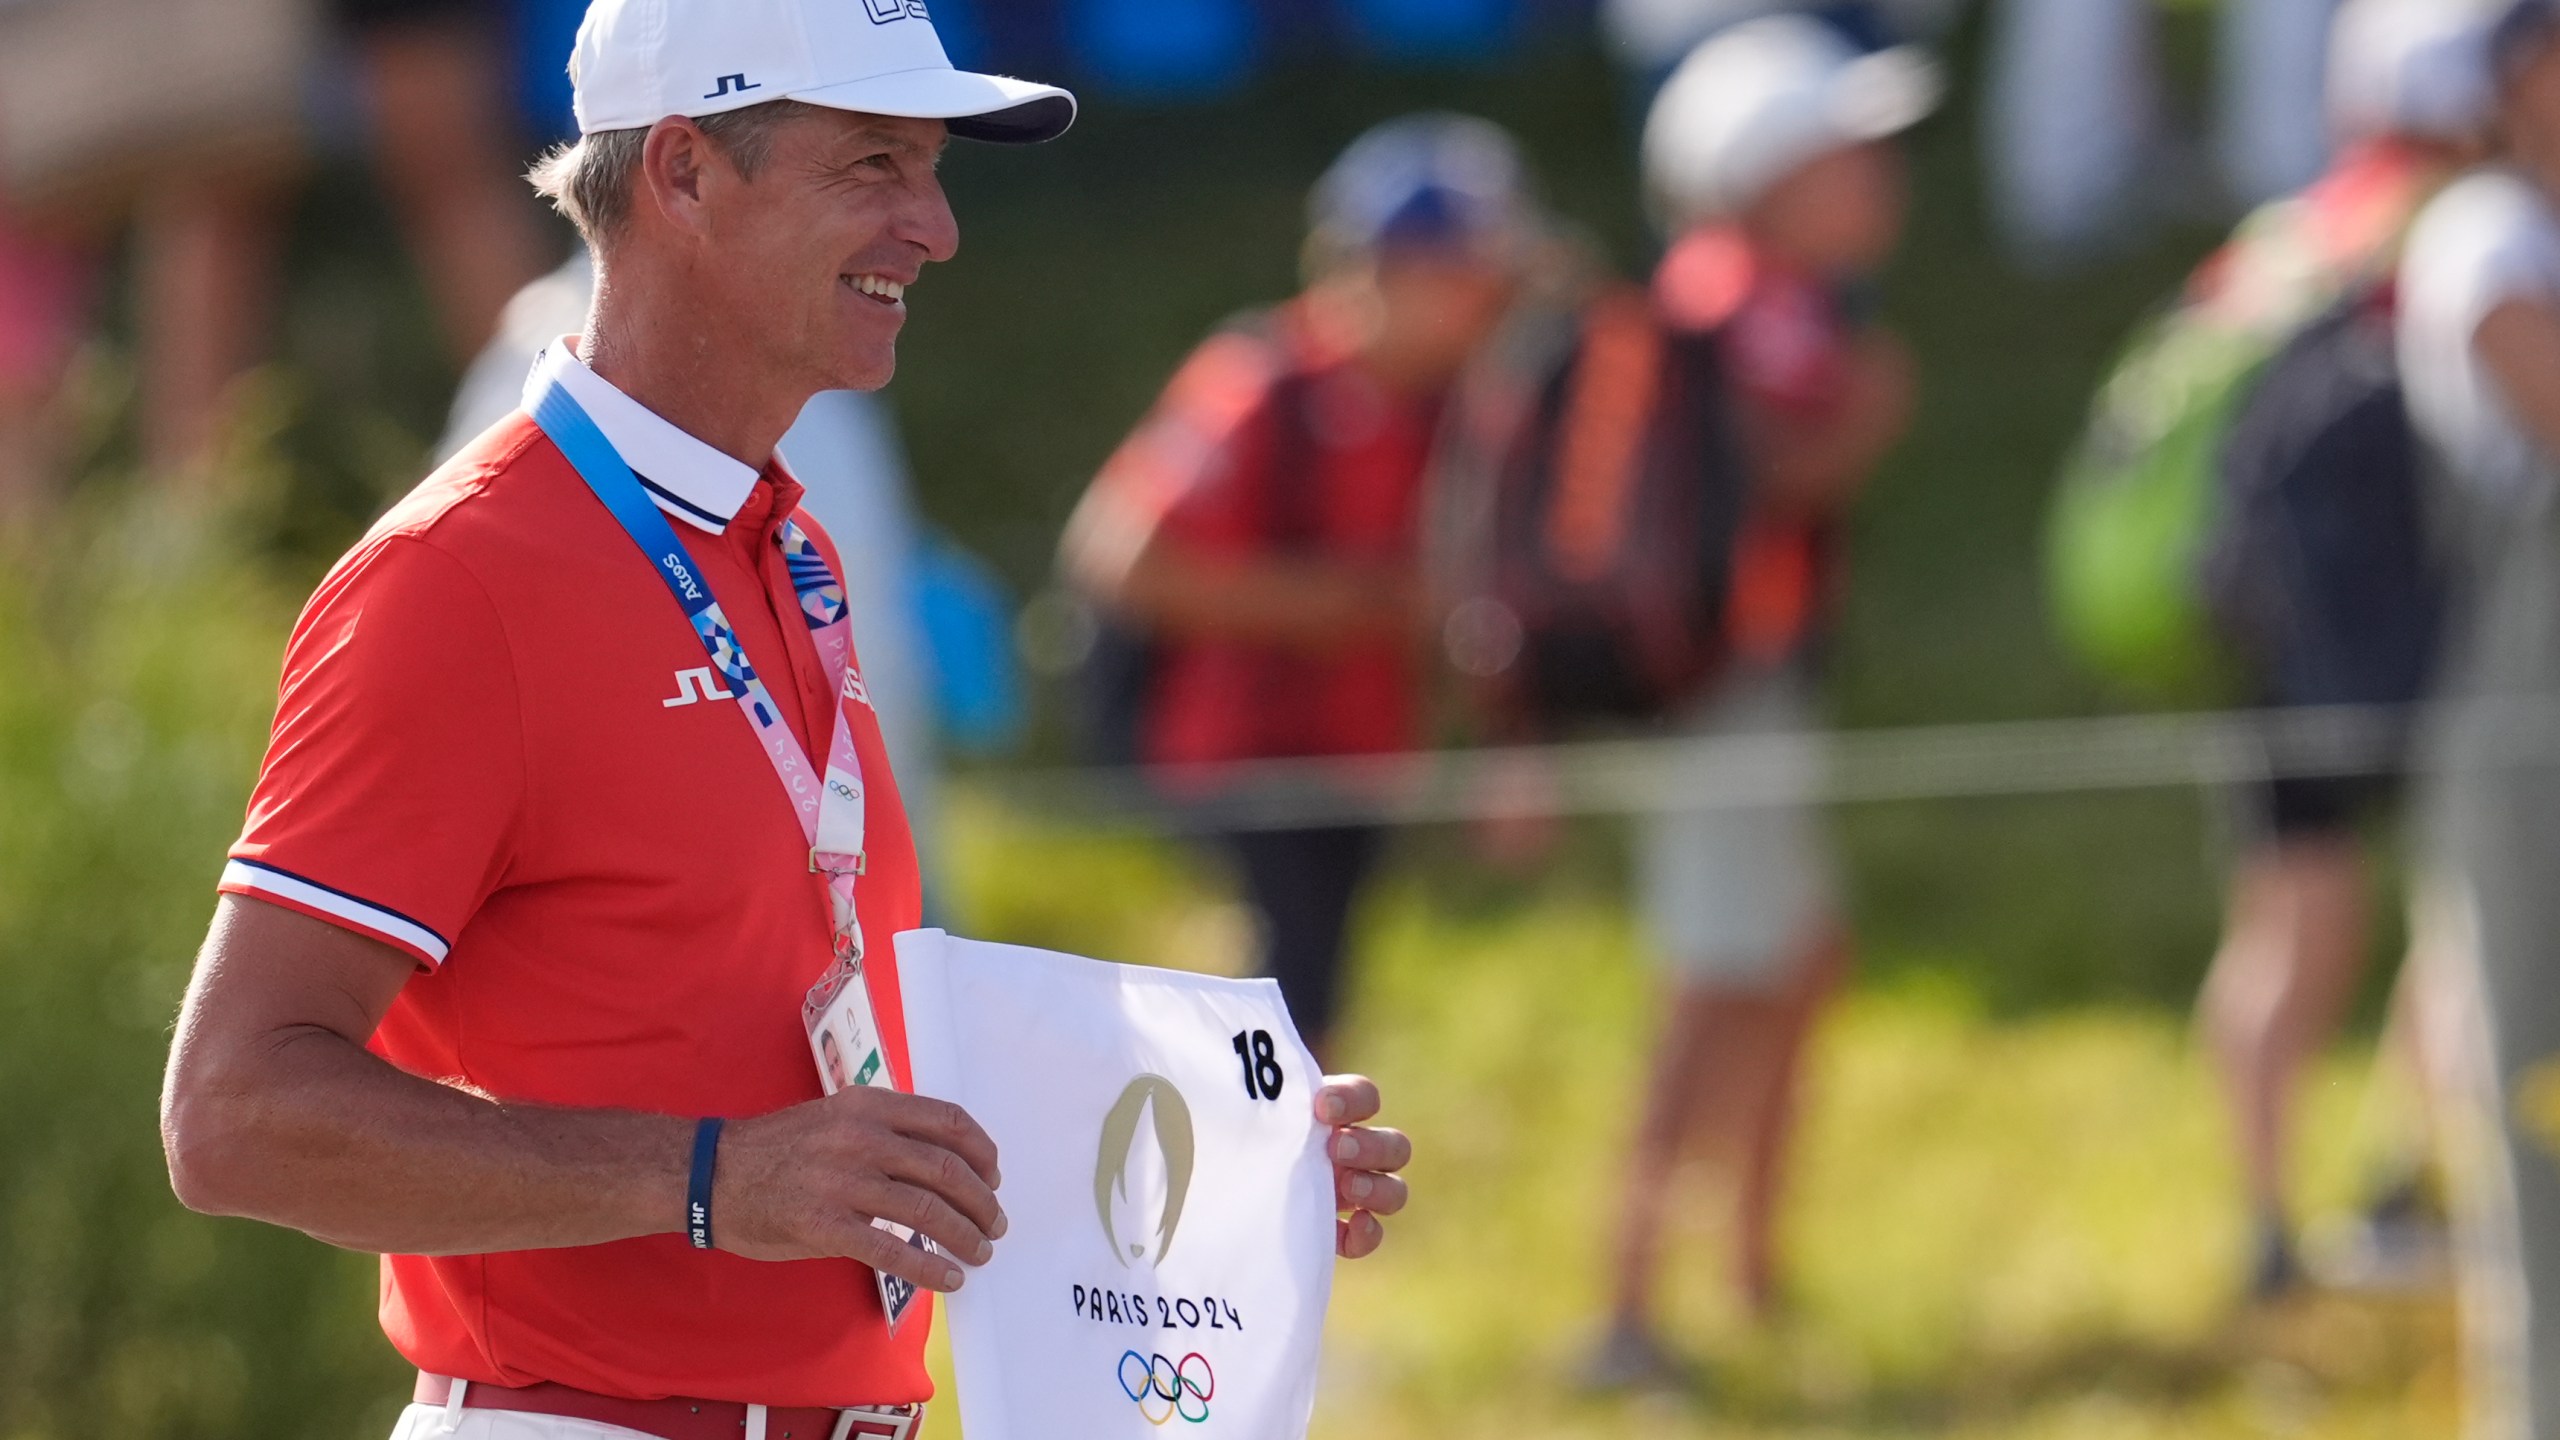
867	372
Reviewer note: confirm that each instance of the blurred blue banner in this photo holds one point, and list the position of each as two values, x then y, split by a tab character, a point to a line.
1434	29
1166	49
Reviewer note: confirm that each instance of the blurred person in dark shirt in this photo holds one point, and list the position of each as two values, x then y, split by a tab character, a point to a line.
1262	527
2410	97
1771	158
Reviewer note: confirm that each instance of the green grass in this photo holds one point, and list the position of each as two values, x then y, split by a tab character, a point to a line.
2002	1227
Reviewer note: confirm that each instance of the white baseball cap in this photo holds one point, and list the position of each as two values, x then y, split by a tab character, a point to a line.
2412	67
639	61
1755	102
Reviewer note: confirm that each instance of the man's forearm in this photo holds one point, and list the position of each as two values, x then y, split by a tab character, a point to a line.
315	1133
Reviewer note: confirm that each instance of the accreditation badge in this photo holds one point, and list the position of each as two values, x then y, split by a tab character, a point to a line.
1170	1256
844	1038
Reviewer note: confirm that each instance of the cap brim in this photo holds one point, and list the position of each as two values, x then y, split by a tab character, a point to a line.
1886	93
996	108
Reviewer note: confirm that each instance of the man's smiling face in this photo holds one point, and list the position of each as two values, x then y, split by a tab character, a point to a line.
816	252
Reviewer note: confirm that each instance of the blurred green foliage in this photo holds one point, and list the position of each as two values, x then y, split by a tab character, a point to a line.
140	659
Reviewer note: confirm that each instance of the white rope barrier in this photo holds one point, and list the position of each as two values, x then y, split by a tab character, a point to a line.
1851	767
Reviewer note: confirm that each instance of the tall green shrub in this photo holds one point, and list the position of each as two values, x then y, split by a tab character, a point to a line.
136	681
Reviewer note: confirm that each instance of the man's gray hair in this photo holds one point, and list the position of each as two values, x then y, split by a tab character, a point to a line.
591	179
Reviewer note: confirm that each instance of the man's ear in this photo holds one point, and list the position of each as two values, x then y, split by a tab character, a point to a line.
676	162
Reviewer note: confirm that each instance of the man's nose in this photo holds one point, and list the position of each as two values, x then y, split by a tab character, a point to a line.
927	222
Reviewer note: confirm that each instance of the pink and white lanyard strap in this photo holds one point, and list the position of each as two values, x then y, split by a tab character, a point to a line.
830	809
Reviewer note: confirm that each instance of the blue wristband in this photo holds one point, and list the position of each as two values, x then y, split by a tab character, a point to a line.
697	1206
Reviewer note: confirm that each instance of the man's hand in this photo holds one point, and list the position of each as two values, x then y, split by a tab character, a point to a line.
275	1110
1365	1161
806	1183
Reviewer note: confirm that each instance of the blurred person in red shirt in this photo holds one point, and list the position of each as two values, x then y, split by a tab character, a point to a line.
1769	154
1262	527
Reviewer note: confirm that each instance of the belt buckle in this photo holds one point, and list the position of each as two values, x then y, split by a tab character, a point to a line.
903	1422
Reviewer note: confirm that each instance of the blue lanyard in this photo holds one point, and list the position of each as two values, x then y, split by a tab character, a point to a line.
829	807
609	476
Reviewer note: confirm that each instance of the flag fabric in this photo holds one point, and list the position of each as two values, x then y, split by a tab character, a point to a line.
1171	1203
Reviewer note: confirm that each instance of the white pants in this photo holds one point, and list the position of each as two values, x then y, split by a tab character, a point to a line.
431	1422
1732	897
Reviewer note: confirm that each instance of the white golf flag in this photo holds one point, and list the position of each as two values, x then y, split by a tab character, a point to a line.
1171	1249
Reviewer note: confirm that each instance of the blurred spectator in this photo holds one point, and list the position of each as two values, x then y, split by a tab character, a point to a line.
2076	117
2072	121
448	151
2272	95
2323	576
1260	532
180	116
208	217
2480	347
844	451
43	296
1770	155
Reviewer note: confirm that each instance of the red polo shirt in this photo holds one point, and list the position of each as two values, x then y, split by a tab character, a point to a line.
494	751
1223	474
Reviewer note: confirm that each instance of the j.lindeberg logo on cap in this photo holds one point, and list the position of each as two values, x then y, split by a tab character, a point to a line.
883	12
732	85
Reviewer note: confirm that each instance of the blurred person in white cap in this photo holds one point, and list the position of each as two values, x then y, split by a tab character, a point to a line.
2410	101
2480	348
1772	163
542	899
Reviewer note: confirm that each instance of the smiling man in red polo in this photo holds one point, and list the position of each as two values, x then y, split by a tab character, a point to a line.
508	980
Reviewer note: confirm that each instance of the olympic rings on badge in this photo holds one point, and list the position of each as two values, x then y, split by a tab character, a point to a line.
1164	1390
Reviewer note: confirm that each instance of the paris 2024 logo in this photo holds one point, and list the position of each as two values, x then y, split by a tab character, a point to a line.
1141	1180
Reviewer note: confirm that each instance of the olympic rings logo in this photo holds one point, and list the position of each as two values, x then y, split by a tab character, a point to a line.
1163	1389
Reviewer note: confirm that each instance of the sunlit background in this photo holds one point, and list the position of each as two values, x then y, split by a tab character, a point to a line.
2016	1214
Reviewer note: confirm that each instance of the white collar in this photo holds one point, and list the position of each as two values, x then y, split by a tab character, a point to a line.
688	479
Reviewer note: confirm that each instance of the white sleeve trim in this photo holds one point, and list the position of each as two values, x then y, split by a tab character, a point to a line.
254	878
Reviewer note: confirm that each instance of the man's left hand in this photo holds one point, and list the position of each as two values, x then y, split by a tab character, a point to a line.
1365	1161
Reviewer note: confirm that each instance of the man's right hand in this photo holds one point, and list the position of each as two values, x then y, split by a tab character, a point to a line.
806	1183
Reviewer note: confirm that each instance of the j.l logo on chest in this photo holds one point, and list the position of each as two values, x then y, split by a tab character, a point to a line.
695	686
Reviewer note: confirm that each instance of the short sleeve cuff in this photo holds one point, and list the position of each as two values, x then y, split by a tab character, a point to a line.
320	902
